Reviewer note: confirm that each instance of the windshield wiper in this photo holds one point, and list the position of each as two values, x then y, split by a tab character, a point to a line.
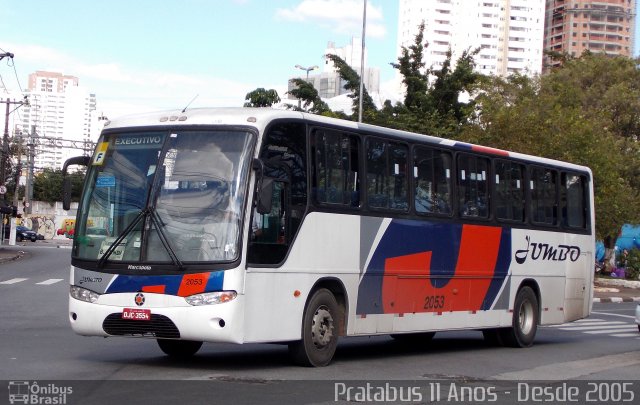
119	239
149	211
157	221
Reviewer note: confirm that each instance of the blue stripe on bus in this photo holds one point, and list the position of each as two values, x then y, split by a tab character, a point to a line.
501	270
171	284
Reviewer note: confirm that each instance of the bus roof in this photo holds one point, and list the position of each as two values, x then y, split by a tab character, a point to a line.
261	117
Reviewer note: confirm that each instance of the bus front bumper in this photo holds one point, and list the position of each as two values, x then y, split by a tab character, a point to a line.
157	316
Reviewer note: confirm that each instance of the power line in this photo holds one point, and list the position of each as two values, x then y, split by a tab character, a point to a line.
12	63
4	85
2	56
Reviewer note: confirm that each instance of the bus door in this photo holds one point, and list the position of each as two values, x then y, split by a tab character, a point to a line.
270	228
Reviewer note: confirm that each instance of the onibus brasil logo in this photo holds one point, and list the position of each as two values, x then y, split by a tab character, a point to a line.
30	392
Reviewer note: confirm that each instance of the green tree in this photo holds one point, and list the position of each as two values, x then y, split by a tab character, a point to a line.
352	84
261	97
47	185
412	68
309	98
433	102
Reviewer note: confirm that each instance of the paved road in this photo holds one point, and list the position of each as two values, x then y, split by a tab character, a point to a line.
38	344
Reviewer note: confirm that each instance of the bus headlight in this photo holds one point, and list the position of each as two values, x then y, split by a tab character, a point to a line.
83	294
211	298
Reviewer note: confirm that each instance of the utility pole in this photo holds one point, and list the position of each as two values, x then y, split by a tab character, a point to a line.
5	138
28	189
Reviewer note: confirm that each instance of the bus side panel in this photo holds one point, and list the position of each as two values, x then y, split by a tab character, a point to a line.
561	265
326	246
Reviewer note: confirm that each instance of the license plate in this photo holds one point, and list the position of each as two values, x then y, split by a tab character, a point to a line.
135	314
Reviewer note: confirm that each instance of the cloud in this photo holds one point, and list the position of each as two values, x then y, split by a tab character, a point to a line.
121	89
341	16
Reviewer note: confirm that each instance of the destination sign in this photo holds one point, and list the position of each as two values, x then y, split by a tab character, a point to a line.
138	141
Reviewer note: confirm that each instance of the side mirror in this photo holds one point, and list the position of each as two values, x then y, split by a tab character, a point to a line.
66	193
66	181
265	196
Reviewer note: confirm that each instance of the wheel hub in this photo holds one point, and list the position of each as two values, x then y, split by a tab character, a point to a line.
525	317
322	327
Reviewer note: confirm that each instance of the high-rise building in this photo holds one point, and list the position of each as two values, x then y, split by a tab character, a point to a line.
62	116
575	26
509	33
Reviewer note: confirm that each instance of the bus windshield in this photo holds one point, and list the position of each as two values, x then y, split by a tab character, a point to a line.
164	197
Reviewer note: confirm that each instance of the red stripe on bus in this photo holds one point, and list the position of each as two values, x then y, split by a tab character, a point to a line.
158	289
492	151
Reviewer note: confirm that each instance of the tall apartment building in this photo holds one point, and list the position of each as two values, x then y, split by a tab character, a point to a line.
60	111
509	33
574	26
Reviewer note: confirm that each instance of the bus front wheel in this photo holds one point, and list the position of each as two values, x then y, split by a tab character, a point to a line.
319	331
179	348
525	320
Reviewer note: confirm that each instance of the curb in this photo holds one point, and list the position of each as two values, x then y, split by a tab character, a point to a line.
617	299
616	282
18	255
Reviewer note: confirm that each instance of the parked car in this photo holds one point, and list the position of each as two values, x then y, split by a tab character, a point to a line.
22	233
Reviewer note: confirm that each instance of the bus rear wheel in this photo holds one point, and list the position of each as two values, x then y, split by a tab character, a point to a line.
179	348
319	331
525	320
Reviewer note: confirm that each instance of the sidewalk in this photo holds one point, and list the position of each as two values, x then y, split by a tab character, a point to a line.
8	253
616	290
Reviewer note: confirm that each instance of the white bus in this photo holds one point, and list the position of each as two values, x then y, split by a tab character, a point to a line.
260	225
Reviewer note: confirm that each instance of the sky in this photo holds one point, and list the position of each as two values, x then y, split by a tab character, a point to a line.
147	55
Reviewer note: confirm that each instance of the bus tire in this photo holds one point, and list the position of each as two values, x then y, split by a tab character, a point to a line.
179	348
413	338
319	331
525	320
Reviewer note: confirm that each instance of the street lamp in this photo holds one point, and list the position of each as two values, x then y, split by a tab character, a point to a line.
306	69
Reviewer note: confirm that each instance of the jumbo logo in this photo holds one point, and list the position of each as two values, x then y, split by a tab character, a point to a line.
545	251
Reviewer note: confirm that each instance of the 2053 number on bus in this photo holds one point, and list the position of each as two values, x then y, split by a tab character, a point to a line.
434	302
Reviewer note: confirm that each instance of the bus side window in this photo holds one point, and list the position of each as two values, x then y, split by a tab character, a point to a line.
544	196
336	179
509	191
284	154
432	181
387	180
574	201
473	191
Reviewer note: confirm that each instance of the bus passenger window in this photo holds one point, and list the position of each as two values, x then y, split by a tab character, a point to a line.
544	206
432	181
509	191
387	180
574	197
336	179
473	193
